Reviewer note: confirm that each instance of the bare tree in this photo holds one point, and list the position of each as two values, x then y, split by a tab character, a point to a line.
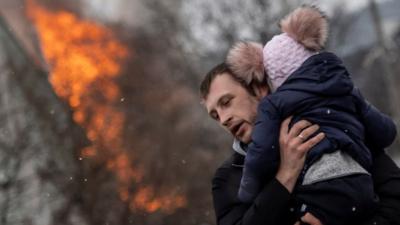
385	57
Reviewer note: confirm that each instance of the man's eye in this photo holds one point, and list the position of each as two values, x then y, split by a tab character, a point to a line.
226	102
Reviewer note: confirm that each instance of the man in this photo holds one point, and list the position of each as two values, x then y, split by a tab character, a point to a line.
233	104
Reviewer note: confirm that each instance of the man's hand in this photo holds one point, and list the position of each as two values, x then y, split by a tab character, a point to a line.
308	218
293	150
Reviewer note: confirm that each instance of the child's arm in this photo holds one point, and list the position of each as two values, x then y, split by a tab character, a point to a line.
262	158
380	130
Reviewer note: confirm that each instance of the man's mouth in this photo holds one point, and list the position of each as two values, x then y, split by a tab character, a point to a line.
237	130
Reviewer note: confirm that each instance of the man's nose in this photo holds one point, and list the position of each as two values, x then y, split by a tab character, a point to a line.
226	119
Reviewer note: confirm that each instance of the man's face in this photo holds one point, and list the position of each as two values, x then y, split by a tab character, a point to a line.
232	106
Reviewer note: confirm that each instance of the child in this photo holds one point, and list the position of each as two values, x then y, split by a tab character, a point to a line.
315	86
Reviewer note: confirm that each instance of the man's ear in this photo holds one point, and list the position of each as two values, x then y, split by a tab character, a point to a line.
260	90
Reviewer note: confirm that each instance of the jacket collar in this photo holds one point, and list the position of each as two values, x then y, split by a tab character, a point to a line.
239	147
240	153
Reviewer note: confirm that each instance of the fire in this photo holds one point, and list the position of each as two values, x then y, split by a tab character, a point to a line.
85	58
145	197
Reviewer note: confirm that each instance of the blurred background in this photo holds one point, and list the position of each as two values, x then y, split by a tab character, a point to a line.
101	122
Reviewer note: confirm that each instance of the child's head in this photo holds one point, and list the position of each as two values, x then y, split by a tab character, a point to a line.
304	34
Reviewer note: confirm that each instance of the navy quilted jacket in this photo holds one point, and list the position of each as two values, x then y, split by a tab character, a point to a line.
321	92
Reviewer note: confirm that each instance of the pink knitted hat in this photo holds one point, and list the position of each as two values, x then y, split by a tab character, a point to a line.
304	34
282	56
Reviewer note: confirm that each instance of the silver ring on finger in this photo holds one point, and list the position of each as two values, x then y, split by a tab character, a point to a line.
301	137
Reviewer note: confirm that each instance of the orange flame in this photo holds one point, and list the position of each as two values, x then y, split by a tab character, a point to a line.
85	58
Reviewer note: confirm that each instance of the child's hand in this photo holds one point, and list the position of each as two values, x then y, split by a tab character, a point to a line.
294	145
308	218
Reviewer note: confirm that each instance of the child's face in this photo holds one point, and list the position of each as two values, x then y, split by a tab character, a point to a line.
232	106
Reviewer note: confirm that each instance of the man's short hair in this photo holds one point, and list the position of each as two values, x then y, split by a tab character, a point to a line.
220	69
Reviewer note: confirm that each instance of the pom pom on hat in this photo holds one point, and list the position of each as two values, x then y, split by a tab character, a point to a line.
308	26
246	61
305	31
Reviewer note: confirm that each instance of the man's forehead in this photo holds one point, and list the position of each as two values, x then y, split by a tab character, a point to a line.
221	85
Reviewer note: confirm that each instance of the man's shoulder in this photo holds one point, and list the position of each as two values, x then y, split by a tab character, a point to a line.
224	166
233	164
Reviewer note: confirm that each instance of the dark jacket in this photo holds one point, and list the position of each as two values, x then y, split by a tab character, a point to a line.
321	92
272	206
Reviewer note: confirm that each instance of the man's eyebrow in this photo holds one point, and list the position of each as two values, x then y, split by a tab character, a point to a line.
219	103
223	97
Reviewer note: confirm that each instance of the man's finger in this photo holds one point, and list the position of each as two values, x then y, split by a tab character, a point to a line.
298	127
310	219
306	146
304	135
285	126
297	223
